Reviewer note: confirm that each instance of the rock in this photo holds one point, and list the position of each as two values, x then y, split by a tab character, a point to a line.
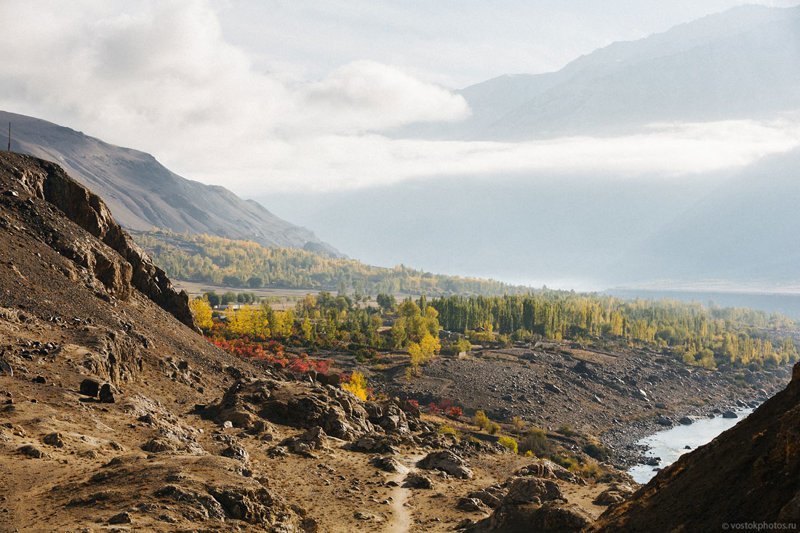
550	517
687	447
446	461
661	405
204	505
121	518
159	445
663	421
5	368
532	490
31	451
373	443
54	439
40	380
686	421
106	394
417	481
544	468
235	451
553	388
255	506
387	464
90	387
614	494
486	497
729	414
653	461
312	439
471	505
367	516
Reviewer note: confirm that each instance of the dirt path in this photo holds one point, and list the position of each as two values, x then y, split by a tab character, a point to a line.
402	520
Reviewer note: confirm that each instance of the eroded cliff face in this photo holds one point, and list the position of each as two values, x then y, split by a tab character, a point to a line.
750	473
121	266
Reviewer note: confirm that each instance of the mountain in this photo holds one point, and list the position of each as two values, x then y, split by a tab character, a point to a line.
745	230
143	194
749	474
741	63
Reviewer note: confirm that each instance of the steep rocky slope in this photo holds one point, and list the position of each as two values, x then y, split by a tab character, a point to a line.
750	473
143	194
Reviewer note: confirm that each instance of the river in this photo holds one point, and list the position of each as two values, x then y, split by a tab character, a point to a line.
670	444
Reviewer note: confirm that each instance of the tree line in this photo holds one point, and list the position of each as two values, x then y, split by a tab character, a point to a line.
246	264
700	335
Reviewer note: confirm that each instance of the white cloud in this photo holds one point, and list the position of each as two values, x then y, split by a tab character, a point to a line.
161	77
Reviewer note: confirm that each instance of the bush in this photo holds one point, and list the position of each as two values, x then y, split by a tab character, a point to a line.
444	429
493	428
481	420
518	423
596	451
567	431
536	442
509	443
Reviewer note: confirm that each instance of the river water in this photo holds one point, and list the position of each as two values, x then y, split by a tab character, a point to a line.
671	443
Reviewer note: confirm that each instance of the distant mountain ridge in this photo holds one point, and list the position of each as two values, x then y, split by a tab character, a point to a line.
143	194
741	63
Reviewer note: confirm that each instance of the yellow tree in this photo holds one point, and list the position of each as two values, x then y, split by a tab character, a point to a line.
201	311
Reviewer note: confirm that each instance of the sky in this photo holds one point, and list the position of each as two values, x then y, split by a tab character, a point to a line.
294	95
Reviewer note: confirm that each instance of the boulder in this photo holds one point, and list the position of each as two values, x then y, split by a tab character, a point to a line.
686	421
729	414
90	387
448	462
532	490
471	505
54	439
236	451
106	394
387	463
416	480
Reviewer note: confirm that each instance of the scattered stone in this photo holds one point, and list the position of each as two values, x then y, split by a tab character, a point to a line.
486	497
90	387
653	461
686	421
729	414
40	379
159	445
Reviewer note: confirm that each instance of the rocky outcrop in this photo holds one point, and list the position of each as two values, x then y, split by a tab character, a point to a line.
750	473
122	266
533	504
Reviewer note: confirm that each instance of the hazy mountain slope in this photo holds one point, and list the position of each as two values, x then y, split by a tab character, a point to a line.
745	230
738	64
143	194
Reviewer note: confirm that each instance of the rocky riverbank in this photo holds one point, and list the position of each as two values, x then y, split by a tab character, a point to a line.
618	397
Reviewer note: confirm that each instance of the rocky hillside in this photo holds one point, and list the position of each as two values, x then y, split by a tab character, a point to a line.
115	415
750	473
143	194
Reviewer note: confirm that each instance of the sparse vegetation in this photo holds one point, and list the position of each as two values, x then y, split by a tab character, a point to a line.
509	443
